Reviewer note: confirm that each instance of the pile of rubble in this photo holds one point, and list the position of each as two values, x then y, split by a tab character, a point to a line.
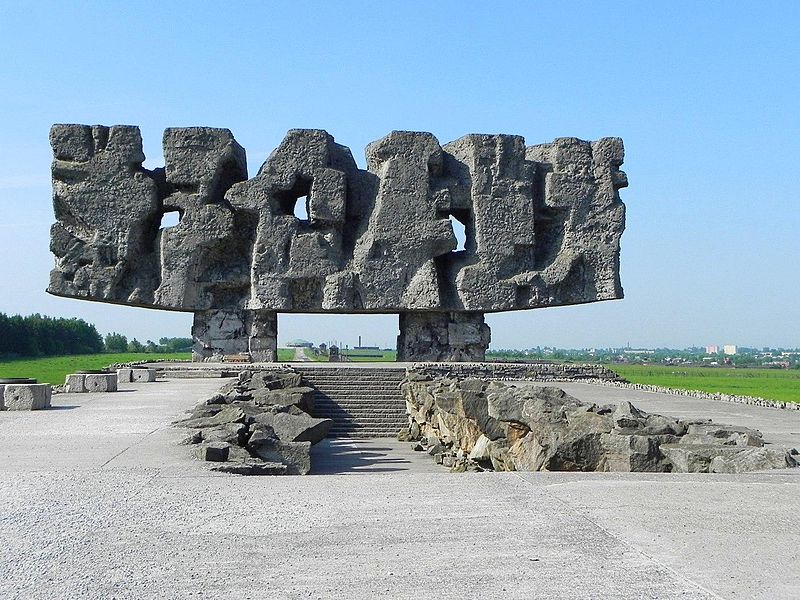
471	424
259	424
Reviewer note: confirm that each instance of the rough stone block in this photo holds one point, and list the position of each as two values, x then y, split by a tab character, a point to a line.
295	455
295	428
143	375
124	375
32	396
2	400
214	452
100	382
76	383
542	226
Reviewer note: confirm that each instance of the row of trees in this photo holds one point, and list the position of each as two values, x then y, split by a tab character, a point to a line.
37	335
116	342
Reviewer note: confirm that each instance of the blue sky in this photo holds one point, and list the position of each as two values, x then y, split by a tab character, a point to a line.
706	96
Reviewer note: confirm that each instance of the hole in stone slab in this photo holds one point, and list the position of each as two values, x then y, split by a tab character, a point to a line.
460	231
294	201
301	208
170	219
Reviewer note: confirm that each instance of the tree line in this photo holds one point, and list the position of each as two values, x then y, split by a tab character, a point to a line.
38	335
116	342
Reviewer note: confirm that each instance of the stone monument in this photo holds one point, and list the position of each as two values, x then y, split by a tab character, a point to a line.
542	224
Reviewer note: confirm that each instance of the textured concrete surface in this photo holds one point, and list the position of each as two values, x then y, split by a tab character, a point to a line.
542	227
98	501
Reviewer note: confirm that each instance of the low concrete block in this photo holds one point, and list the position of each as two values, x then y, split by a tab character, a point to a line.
124	375
31	396
76	383
143	375
106	382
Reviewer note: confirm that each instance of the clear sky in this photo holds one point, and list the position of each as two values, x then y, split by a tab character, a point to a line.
706	96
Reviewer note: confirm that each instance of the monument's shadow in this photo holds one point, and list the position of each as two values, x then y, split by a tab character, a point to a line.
336	456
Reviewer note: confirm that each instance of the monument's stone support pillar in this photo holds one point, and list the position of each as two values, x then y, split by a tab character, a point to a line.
263	335
442	336
219	333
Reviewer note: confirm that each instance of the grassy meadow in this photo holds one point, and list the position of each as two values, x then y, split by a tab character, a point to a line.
54	369
773	384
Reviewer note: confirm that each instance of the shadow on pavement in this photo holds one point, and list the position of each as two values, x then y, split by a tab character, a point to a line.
341	455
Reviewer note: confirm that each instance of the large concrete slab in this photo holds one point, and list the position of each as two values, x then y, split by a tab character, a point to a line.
97	500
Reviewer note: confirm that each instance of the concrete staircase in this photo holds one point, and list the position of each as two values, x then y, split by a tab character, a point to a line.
363	402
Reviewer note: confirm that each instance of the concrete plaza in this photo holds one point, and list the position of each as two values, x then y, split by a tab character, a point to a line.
98	500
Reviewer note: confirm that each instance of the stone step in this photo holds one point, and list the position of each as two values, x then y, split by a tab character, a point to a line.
358	396
350	383
361	402
360	417
358	389
394	376
360	410
372	431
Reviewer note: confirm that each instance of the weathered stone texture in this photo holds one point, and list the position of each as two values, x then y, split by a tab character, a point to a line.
542	223
256	423
441	336
472	424
30	396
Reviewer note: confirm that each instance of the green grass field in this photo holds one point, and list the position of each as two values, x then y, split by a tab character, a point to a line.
54	369
381	356
285	354
773	384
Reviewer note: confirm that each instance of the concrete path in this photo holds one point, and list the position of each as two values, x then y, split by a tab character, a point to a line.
300	355
97	500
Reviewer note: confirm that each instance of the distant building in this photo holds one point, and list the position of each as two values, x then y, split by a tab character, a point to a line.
299	344
729	349
713	349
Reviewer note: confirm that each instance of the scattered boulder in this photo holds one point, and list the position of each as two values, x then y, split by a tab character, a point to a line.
229	414
301	397
216	451
251	467
295	455
295	428
258	424
471	424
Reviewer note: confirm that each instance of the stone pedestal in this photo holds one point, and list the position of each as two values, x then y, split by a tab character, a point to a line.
263	335
124	375
442	336
143	375
31	396
78	383
136	374
75	383
221	333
